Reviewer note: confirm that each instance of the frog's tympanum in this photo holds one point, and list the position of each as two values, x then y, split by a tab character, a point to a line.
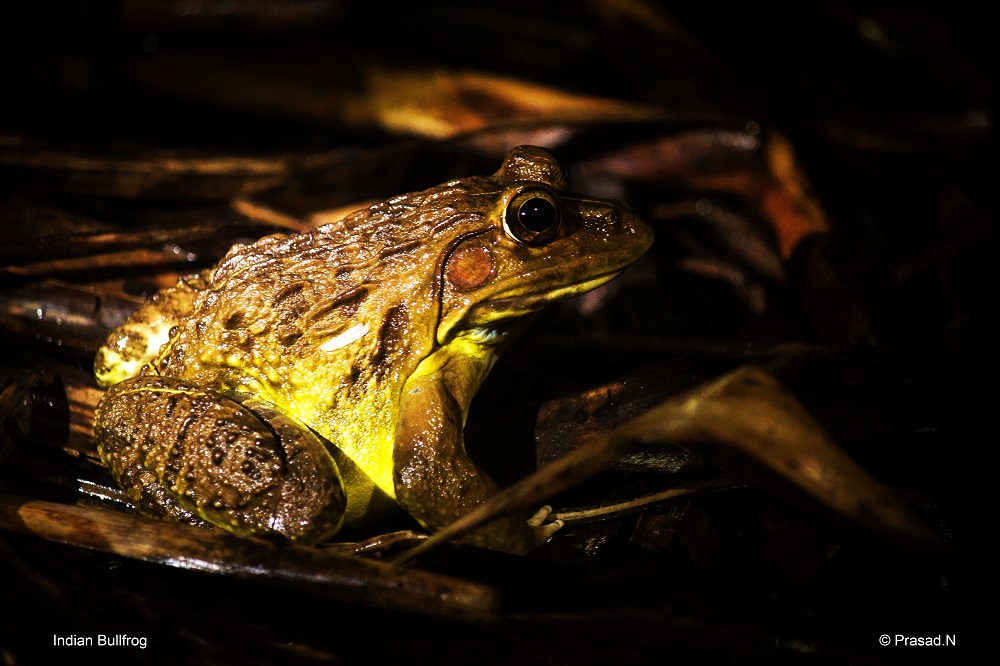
313	380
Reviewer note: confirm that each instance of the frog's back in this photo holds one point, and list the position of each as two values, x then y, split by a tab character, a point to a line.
327	325
326	320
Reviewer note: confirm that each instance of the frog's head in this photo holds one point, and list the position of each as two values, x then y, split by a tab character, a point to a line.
536	243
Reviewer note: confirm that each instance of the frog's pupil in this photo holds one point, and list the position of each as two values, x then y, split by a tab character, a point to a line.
537	214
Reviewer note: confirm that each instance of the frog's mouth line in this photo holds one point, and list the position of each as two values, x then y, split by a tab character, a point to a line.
510	304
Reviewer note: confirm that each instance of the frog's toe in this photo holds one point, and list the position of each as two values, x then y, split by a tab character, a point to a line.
539	516
541	529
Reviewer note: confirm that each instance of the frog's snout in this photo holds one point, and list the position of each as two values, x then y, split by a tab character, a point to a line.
634	231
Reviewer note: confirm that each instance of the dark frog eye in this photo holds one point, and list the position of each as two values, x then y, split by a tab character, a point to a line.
532	217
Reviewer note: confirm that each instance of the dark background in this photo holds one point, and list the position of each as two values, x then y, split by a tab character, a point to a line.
890	110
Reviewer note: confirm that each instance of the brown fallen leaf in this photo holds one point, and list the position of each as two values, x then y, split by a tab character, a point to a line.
764	170
745	421
442	103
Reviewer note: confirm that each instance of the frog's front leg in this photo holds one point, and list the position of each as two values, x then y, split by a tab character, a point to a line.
177	449
435	480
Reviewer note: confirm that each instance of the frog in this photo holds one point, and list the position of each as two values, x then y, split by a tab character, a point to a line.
321	379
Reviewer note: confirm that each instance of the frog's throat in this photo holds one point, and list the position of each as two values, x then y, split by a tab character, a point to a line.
512	303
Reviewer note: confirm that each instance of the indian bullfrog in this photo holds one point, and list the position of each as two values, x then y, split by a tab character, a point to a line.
313	380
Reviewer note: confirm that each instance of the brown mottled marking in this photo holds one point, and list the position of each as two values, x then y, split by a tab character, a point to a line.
347	302
234	321
170	406
287	292
348	382
399	249
135	346
390	334
185	426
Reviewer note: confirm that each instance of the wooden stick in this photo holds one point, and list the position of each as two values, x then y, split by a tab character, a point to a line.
344	579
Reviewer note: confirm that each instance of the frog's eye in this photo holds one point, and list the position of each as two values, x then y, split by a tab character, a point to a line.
532	217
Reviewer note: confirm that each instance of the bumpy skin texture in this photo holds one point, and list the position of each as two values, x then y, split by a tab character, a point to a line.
182	451
353	349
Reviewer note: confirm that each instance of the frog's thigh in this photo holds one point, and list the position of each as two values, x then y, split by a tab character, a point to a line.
244	466
435	480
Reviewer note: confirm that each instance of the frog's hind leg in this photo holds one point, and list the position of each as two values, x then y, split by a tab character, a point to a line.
177	449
